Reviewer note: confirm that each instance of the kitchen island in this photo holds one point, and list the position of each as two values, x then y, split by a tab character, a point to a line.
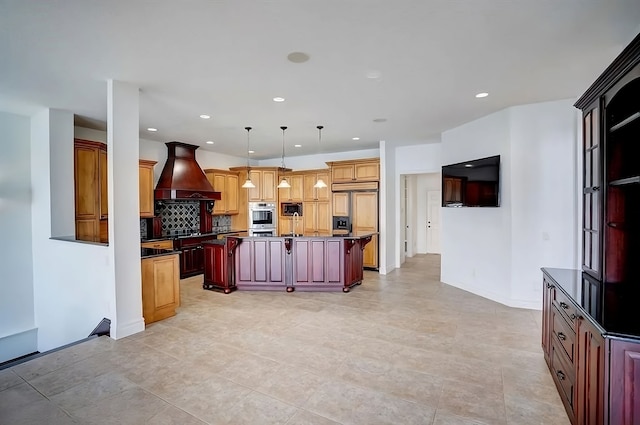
305	263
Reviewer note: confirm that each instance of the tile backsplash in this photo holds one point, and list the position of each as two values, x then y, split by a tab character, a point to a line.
182	217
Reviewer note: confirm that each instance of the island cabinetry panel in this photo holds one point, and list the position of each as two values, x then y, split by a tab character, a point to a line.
145	182
160	287
219	259
260	263
317	261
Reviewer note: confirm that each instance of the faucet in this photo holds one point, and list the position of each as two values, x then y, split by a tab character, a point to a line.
295	222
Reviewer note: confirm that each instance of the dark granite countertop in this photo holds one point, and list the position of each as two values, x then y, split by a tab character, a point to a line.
194	235
151	252
611	306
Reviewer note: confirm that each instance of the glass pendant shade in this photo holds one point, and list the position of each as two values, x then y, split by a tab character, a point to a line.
248	184
284	184
320	184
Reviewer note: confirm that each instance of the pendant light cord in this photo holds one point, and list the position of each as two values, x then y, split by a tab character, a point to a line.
283	129
248	130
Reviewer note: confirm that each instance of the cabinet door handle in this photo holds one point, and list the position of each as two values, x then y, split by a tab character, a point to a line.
564	305
596	188
562	336
573	316
561	376
549	286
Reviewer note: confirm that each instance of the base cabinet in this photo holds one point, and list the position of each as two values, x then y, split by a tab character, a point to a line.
597	373
219	260
160	287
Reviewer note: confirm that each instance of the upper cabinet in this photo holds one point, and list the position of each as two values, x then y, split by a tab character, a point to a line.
90	184
265	182
146	187
362	170
293	193
225	182
312	193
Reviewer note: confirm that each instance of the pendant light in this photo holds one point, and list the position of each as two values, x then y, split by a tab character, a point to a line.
320	184
284	184
248	184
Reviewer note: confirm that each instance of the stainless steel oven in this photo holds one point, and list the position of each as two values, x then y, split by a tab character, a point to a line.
262	215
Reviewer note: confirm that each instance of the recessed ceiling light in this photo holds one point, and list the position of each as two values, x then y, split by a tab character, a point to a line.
379	120
483	94
209	142
278	99
152	129
297	146
468	165
355	138
373	74
205	116
297	57
252	151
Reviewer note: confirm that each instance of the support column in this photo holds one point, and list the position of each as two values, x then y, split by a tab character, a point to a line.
124	223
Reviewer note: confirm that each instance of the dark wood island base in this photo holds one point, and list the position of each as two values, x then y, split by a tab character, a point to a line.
301	263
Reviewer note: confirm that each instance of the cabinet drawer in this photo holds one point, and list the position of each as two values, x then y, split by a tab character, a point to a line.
563	374
565	306
563	334
168	244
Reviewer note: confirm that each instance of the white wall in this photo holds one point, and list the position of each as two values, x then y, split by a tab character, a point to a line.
389	201
69	278
543	172
497	252
18	335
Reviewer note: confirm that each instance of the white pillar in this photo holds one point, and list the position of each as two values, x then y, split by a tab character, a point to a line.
124	223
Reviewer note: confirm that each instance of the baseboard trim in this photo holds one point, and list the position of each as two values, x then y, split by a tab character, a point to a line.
126	329
18	344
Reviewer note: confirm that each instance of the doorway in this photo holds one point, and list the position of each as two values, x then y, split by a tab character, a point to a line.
433	221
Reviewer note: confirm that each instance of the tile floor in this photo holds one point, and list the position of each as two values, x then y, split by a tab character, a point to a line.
399	349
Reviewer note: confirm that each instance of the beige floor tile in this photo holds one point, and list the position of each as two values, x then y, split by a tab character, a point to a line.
71	375
258	408
291	384
8	379
303	417
402	348
476	402
528	411
350	404
133	406
92	391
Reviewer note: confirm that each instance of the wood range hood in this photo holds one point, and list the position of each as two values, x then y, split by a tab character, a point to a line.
182	178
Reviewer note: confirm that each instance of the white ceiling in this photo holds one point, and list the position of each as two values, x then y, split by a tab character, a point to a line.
228	59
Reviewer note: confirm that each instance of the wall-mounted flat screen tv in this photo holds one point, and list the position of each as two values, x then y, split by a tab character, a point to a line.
473	183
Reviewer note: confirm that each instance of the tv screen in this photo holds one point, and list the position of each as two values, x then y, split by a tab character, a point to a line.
473	183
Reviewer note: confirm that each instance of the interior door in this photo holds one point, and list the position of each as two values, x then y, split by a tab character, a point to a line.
433	222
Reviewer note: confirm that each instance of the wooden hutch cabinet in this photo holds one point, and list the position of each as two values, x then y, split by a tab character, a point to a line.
590	331
146	187
91	197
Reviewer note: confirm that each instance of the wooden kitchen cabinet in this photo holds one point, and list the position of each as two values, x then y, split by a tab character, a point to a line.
163	244
293	193
160	287
227	183
341	204
265	182
362	170
317	218
317	194
364	220
90	189
146	187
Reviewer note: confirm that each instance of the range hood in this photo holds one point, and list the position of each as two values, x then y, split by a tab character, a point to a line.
182	178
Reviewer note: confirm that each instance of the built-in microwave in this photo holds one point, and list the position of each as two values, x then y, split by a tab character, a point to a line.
290	208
